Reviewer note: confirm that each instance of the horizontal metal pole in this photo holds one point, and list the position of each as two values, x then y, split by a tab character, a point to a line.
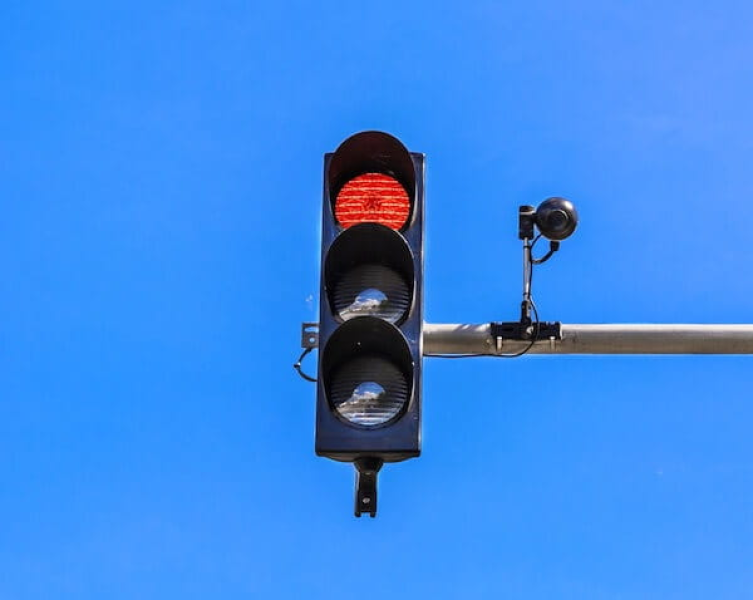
445	338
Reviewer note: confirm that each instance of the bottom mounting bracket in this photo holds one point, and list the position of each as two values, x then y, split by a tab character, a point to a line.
366	485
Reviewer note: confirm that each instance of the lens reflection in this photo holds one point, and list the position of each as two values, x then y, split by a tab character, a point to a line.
367	405
369	391
366	396
371	302
371	290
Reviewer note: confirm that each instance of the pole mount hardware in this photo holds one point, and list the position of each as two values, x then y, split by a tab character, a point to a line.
366	485
309	335
522	331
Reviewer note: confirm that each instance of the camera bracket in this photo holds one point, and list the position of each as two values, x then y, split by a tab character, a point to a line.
522	331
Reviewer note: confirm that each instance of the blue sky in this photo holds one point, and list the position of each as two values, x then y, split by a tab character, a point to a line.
160	175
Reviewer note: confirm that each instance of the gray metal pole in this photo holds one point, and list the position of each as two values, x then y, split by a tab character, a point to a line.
441	338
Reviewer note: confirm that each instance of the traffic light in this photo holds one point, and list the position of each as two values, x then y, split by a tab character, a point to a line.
371	308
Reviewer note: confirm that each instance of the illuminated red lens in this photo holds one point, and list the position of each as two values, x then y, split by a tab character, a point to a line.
372	198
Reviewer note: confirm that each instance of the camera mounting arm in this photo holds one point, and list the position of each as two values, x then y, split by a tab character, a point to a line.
526	222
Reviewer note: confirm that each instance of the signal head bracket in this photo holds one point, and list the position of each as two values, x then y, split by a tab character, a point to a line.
309	335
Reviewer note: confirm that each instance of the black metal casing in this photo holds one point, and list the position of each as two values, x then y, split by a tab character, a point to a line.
399	439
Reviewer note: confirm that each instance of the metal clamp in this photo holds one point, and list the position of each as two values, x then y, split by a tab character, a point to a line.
309	335
522	331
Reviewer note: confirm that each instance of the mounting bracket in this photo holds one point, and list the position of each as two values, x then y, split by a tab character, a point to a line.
522	331
366	485
309	335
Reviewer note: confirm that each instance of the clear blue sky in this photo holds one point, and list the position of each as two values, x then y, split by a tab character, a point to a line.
160	179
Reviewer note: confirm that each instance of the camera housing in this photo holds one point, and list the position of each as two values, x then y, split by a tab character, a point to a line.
556	218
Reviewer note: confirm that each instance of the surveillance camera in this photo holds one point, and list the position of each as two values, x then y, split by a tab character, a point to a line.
556	218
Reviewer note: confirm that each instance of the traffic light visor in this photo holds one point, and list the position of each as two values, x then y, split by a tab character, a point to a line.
372	179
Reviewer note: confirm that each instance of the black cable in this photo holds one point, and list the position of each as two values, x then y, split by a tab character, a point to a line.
536	323
297	366
534	333
553	247
531	262
534	336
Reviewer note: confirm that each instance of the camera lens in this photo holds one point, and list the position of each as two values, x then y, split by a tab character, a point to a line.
556	218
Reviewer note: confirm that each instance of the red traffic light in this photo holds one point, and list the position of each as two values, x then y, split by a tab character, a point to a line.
372	198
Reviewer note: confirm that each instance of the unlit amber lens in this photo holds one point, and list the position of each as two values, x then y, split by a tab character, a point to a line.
371	290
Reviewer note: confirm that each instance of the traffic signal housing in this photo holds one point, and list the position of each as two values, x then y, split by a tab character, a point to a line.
371	308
